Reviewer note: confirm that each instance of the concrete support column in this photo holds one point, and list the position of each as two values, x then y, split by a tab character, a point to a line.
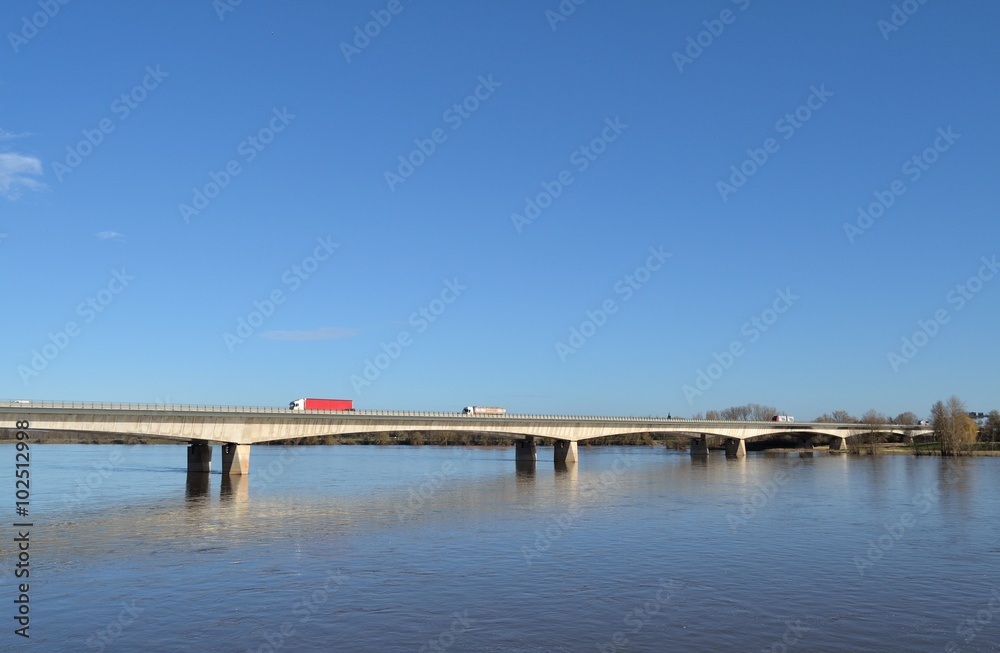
199	457
838	443
566	451
804	445
736	448
699	446
235	459
525	450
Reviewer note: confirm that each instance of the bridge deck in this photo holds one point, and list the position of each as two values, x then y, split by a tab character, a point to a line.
237	427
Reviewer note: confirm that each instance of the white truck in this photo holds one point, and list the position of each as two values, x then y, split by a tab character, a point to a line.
484	410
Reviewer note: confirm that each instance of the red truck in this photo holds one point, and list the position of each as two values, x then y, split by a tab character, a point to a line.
322	404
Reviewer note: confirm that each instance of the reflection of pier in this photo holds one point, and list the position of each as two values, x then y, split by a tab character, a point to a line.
235	489
236	429
197	486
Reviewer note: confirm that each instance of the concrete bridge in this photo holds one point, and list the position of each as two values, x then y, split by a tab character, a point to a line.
237	428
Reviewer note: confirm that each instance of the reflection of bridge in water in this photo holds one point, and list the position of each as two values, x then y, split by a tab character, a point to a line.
237	428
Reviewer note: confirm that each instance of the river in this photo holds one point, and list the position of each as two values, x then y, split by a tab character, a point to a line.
366	548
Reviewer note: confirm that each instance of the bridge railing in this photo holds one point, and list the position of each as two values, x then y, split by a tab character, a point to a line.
104	405
97	405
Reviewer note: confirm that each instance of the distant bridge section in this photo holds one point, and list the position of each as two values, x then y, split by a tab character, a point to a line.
237	428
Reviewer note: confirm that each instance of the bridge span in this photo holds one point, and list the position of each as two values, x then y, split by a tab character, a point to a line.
237	428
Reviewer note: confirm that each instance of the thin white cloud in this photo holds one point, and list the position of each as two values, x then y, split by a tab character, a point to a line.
323	333
17	173
110	235
9	136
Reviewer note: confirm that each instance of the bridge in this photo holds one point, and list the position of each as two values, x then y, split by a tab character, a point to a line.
237	428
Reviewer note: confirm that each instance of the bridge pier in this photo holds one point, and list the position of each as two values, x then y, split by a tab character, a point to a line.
566	451
199	457
525	450
736	448
838	443
235	459
804	445
699	446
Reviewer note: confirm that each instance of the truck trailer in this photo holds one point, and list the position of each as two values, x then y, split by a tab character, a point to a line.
322	404
484	410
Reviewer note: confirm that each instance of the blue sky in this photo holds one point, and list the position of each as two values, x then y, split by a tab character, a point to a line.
419	218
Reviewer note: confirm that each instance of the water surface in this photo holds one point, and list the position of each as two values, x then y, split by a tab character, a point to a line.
426	548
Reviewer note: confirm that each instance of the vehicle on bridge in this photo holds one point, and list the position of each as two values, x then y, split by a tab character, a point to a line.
322	404
782	418
484	410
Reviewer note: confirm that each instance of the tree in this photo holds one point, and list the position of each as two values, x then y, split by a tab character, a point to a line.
838	417
955	430
748	412
871	440
761	413
991	431
906	419
735	413
844	417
